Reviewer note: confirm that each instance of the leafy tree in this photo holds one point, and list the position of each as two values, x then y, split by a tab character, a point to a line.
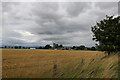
16	47
24	47
11	46
5	47
47	46
107	32
40	47
93	48
82	47
19	47
61	46
73	47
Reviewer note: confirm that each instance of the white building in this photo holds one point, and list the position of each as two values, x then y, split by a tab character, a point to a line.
32	48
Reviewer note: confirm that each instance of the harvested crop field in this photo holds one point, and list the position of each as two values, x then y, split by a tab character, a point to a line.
40	63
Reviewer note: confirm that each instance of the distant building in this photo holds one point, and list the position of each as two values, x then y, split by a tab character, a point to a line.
32	48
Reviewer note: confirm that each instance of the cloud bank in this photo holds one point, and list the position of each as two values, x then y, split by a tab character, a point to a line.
41	23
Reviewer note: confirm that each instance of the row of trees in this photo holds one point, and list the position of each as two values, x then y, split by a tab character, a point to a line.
82	47
22	47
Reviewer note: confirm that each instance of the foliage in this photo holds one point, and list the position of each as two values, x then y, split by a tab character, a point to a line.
107	32
47	46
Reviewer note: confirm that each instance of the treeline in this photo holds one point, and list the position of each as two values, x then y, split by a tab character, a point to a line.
61	47
82	47
23	47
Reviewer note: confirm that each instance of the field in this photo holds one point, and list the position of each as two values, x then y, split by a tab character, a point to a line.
38	63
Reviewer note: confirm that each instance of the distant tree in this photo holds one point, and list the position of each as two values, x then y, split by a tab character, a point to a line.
73	47
40	47
24	47
19	47
5	47
47	46
107	33
16	47
82	47
11	46
61	45
93	48
88	48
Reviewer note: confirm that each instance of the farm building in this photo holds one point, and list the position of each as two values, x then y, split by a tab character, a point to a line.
32	48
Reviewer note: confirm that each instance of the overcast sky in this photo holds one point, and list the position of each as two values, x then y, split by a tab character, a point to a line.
41	23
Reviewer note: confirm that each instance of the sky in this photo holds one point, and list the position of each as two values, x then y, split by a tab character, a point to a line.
41	23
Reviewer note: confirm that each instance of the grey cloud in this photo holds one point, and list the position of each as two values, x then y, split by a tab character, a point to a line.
12	41
106	5
118	8
7	6
53	23
46	22
17	42
75	8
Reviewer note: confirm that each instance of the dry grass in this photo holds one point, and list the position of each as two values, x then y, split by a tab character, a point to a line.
28	63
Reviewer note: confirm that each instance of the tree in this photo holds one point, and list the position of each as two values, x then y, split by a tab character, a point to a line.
61	46
73	47
82	47
5	47
93	48
16	47
19	47
11	46
47	46
107	33
40	47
